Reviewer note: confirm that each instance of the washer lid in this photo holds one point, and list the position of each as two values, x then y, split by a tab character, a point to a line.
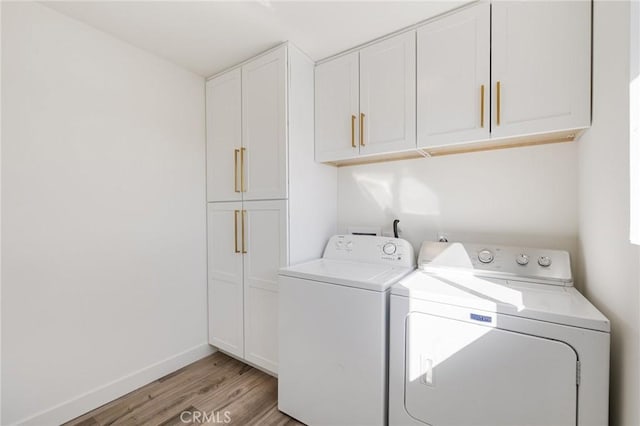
561	305
367	276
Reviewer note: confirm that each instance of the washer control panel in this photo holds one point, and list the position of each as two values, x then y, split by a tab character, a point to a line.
371	249
542	266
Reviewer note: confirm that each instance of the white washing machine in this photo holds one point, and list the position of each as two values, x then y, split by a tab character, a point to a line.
333	331
488	335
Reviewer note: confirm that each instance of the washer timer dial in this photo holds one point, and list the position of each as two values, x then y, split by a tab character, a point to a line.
544	261
389	248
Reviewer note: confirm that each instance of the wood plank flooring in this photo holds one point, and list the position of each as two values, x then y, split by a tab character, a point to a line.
214	386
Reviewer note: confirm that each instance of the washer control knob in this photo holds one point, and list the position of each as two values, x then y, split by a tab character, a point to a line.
522	259
389	248
485	256
544	261
349	244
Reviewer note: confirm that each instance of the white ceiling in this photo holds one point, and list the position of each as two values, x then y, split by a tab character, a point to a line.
209	36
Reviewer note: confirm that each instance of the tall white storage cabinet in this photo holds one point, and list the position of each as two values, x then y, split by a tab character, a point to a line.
270	204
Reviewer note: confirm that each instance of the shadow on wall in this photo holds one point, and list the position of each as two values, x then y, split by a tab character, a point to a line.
522	197
408	194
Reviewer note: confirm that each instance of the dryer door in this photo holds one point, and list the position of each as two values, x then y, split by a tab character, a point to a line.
463	373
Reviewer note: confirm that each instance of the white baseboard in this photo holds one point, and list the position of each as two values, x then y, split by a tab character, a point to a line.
108	392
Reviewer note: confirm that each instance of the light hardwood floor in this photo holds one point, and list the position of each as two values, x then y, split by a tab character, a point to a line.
215	384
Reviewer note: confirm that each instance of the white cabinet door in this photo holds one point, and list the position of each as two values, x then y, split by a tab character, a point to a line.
540	66
388	95
225	289
337	109
453	78
265	225
224	129
264	127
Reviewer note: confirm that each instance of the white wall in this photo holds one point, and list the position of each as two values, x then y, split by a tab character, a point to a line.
103	216
610	264
634	124
311	221
522	196
0	215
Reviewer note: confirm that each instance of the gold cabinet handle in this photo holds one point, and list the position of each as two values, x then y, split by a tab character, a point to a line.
498	103
244	248
353	131
482	105
361	129
235	232
242	188
235	170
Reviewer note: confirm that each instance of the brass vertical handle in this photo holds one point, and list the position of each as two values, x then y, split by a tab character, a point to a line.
235	232
482	105
242	187
362	129
244	248
498	103
353	131
235	170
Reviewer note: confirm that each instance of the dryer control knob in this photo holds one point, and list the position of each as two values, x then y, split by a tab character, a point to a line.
389	248
522	259
485	256
544	261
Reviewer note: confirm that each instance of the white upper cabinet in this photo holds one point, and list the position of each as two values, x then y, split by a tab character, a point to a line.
337	108
491	74
224	137
264	127
388	95
540	66
453	78
365	101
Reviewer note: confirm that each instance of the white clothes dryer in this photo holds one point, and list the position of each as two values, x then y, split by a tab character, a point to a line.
333	331
489	335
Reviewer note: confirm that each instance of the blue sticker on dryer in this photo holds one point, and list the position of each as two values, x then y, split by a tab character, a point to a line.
482	318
